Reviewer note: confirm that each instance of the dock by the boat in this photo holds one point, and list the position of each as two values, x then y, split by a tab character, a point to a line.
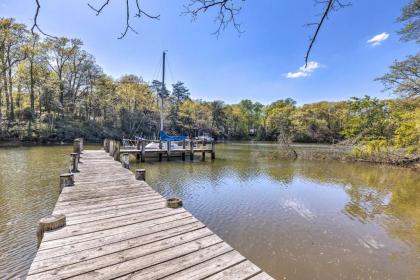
162	149
118	227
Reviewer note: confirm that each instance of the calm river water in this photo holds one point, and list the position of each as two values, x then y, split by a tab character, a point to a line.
295	219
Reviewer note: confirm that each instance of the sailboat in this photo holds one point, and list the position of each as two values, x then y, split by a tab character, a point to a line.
162	135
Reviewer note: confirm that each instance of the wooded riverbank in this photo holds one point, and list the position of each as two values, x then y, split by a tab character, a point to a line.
307	151
52	91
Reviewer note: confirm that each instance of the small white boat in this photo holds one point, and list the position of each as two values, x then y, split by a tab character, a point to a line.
152	146
155	145
205	137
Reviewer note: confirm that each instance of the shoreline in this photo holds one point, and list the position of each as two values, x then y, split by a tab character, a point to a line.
329	152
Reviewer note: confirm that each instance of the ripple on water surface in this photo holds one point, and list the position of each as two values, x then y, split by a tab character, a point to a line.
28	191
302	219
295	219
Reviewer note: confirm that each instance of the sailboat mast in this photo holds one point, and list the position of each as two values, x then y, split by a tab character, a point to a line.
162	94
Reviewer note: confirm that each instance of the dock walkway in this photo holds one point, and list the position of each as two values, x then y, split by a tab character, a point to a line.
119	228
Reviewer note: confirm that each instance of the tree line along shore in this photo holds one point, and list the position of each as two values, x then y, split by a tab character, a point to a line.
52	90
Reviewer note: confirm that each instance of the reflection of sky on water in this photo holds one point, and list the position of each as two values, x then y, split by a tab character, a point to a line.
299	219
302	218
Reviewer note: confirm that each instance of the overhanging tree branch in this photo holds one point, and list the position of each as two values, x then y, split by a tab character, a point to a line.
226	15
227	11
330	5
35	22
140	12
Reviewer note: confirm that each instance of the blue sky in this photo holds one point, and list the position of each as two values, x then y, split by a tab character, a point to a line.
262	64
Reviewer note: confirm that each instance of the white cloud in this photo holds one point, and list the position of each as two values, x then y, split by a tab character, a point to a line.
378	39
304	71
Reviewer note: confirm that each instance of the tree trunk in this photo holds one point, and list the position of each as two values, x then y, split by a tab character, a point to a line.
39	104
32	94
1	104
11	110
6	90
61	92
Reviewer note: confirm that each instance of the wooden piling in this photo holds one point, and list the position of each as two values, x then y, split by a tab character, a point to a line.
125	160
138	147
191	150
76	146
106	145
117	150
111	148
203	156
81	145
74	162
140	174
143	151
66	180
174	202
183	150
48	223
213	151
160	152
168	151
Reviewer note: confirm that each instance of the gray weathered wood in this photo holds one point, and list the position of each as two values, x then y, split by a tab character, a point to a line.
49	223
119	227
140	174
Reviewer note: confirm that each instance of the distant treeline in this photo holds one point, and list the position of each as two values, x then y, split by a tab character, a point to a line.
52	90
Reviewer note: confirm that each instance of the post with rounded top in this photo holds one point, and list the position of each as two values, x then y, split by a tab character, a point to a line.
111	147
49	223
81	145
106	145
174	202
125	160
74	162
66	180
140	174
117	150
76	146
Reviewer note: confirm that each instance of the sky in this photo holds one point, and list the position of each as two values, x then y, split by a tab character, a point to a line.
264	63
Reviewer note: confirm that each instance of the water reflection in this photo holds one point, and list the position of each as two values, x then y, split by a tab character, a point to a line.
303	219
296	219
28	191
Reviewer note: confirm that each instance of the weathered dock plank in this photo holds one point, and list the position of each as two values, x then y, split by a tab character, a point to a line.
120	228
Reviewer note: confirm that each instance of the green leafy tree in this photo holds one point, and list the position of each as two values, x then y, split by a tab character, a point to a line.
411	18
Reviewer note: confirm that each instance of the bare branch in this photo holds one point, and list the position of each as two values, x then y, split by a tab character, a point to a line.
128	26
35	23
330	5
227	11
98	11
226	15
142	12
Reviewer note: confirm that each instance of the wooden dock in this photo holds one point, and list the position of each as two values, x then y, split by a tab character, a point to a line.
166	149
118	227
